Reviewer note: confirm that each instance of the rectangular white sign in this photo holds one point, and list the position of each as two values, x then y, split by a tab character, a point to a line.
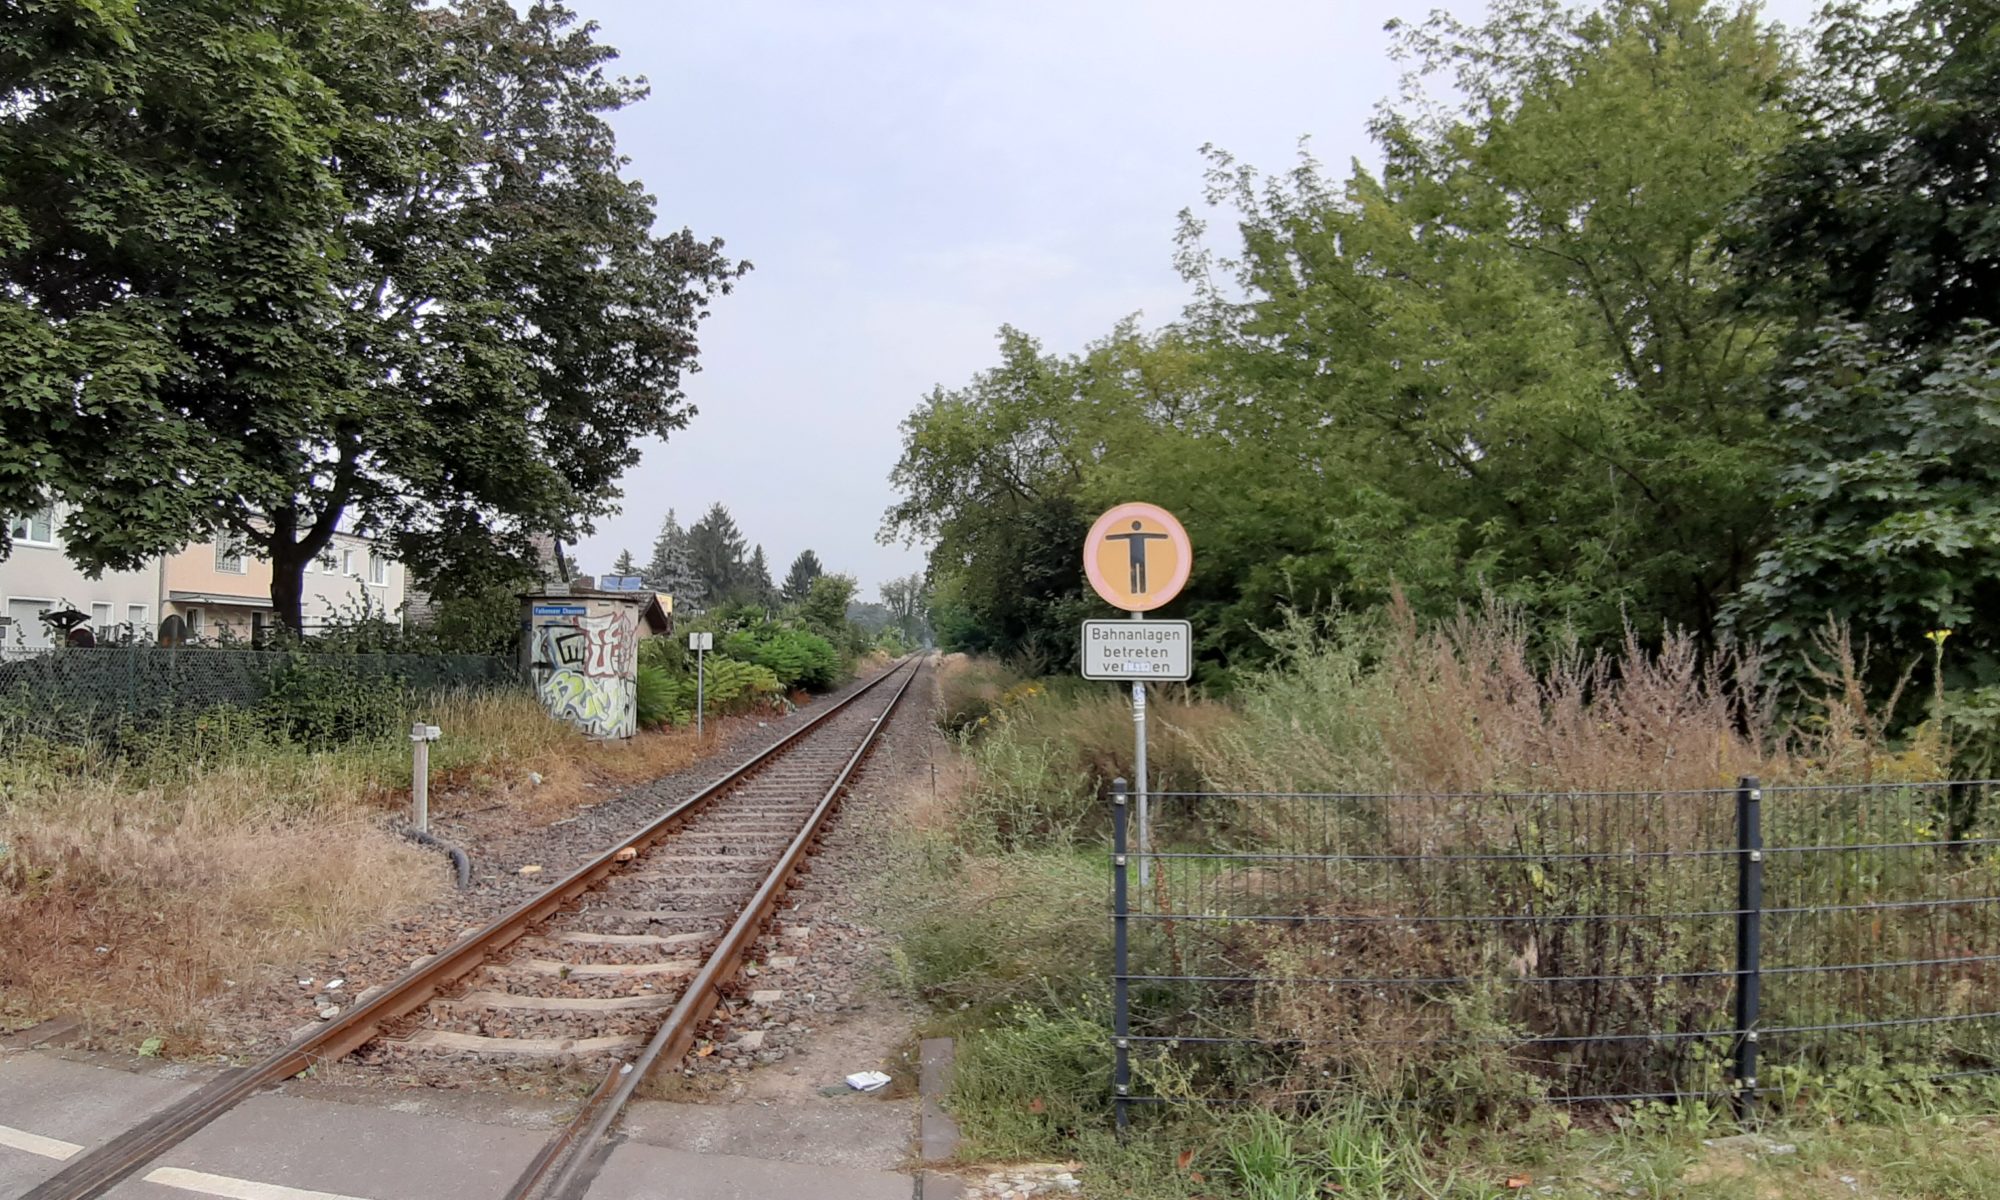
1138	650
701	641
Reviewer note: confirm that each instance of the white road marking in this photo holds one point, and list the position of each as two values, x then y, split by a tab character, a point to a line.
35	1143
234	1189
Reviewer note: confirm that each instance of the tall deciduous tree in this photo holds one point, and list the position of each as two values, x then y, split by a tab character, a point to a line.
798	580
1883	211
1879	233
1520	337
330	264
907	598
825	607
1510	359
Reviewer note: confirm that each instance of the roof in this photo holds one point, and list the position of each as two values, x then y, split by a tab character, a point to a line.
219	598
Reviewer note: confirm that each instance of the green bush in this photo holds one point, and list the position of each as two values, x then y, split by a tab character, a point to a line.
320	701
734	686
669	654
656	696
798	658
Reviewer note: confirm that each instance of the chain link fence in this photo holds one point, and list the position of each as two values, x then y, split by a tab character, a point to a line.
1472	950
75	695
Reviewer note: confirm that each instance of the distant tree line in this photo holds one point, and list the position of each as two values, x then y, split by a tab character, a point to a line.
705	566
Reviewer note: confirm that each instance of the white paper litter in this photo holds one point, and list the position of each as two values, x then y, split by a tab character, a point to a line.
867	1081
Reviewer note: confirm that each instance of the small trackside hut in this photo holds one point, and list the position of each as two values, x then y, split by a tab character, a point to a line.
581	650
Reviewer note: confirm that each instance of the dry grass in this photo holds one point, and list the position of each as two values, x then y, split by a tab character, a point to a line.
133	889
132	924
1483	703
506	738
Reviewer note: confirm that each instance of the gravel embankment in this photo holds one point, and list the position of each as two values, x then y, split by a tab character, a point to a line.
819	996
256	1017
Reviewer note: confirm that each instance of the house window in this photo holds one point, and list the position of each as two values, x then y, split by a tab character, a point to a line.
102	618
347	562
378	568
229	556
140	618
38	528
329	561
194	622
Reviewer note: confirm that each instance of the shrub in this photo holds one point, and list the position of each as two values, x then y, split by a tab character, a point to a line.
669	654
798	658
656	696
734	686
1046	753
323	701
968	689
1485	702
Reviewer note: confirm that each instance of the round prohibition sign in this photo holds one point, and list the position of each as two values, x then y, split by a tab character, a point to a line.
1137	557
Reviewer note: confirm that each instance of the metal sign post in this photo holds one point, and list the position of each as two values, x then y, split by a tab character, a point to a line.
700	643
1139	774
1137	558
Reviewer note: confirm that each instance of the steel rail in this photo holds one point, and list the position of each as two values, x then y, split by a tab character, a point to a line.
575	1144
96	1171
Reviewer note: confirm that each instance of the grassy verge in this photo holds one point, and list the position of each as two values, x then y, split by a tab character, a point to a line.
135	885
1939	1147
1001	922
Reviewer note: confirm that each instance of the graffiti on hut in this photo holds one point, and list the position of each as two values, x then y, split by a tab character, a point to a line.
586	670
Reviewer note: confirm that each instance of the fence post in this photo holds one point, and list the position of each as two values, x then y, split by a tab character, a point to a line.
1749	936
1121	1011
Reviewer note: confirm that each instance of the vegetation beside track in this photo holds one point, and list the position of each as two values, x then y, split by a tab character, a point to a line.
137	882
1001	926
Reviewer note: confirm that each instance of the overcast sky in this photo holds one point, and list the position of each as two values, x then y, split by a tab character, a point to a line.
907	176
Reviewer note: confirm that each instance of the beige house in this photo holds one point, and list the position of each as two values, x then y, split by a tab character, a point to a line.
217	589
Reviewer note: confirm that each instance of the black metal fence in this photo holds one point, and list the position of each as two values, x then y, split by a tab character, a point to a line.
71	694
1609	947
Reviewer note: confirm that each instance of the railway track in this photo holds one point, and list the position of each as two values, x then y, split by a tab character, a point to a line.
619	963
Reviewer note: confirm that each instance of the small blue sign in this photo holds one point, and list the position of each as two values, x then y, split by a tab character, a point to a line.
559	610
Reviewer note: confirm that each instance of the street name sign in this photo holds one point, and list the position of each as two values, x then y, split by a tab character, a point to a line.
1138	650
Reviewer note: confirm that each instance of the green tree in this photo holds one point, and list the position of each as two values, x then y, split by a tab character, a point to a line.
757	586
1515	352
1875	233
1882	210
671	569
799	580
990	475
624	564
907	598
825	607
1891	503
715	550
350	262
1510	360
